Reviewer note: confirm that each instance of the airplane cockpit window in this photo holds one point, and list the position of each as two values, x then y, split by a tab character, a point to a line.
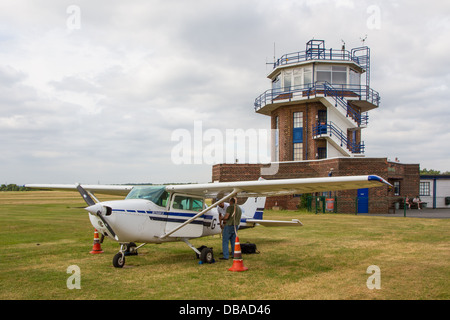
187	203
156	194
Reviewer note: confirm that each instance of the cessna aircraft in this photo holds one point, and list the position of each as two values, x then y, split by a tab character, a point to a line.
156	214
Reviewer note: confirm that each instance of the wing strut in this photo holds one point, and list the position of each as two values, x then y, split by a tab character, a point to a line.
232	194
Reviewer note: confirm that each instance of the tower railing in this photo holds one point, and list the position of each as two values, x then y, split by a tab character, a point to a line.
340	137
342	94
338	94
360	92
320	54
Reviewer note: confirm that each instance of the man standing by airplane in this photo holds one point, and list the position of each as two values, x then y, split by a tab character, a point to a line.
222	209
231	221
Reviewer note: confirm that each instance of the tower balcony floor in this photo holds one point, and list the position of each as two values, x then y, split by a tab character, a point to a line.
359	95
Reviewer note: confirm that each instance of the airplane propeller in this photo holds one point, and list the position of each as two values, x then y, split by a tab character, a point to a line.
85	195
97	209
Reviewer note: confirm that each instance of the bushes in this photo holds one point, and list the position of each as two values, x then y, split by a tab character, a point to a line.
13	187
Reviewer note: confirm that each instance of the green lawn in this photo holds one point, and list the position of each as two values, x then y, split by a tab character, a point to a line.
43	233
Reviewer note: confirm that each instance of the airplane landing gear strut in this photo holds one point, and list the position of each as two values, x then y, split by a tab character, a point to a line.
126	249
205	254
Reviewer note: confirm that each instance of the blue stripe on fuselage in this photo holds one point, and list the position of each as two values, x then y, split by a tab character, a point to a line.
176	217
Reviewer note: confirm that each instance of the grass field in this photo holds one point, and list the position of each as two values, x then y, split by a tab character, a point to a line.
43	233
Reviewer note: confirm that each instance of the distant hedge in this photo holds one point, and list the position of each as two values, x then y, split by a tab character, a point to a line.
13	187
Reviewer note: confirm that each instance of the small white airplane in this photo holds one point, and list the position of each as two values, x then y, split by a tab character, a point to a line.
156	214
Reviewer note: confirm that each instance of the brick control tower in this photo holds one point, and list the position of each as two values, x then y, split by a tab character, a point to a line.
319	102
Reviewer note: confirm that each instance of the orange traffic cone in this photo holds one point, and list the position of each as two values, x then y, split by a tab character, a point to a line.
238	265
96	248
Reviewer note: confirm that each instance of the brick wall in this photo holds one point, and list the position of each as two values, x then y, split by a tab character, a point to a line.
378	197
285	126
407	175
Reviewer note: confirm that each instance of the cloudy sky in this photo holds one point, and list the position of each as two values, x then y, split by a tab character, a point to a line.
96	91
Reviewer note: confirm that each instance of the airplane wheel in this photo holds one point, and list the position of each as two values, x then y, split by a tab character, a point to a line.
119	260
207	255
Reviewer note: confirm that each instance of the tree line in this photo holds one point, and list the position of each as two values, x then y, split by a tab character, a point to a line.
13	187
433	172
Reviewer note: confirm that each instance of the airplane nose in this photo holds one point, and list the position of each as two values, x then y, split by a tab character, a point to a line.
96	209
99	210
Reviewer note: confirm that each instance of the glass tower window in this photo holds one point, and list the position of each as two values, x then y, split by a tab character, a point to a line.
307	75
331	74
276	83
355	77
323	74
339	74
287	80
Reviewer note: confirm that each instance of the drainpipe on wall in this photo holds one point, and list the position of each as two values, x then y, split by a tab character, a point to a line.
434	192
306	133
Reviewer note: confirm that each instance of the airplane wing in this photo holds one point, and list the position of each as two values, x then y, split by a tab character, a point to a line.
245	188
280	186
102	189
272	188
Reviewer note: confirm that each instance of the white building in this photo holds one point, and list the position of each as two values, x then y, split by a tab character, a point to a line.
435	190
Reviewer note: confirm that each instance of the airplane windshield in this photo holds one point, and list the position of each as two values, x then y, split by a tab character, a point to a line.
156	194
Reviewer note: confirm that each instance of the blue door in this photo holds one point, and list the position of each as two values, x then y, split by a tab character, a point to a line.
363	200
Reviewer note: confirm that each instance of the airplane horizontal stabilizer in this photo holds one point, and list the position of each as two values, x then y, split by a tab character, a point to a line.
276	223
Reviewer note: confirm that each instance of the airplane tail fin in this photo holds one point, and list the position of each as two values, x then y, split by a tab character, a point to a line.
253	208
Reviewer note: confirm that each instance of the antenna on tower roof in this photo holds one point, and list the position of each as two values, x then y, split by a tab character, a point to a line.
363	40
274	55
